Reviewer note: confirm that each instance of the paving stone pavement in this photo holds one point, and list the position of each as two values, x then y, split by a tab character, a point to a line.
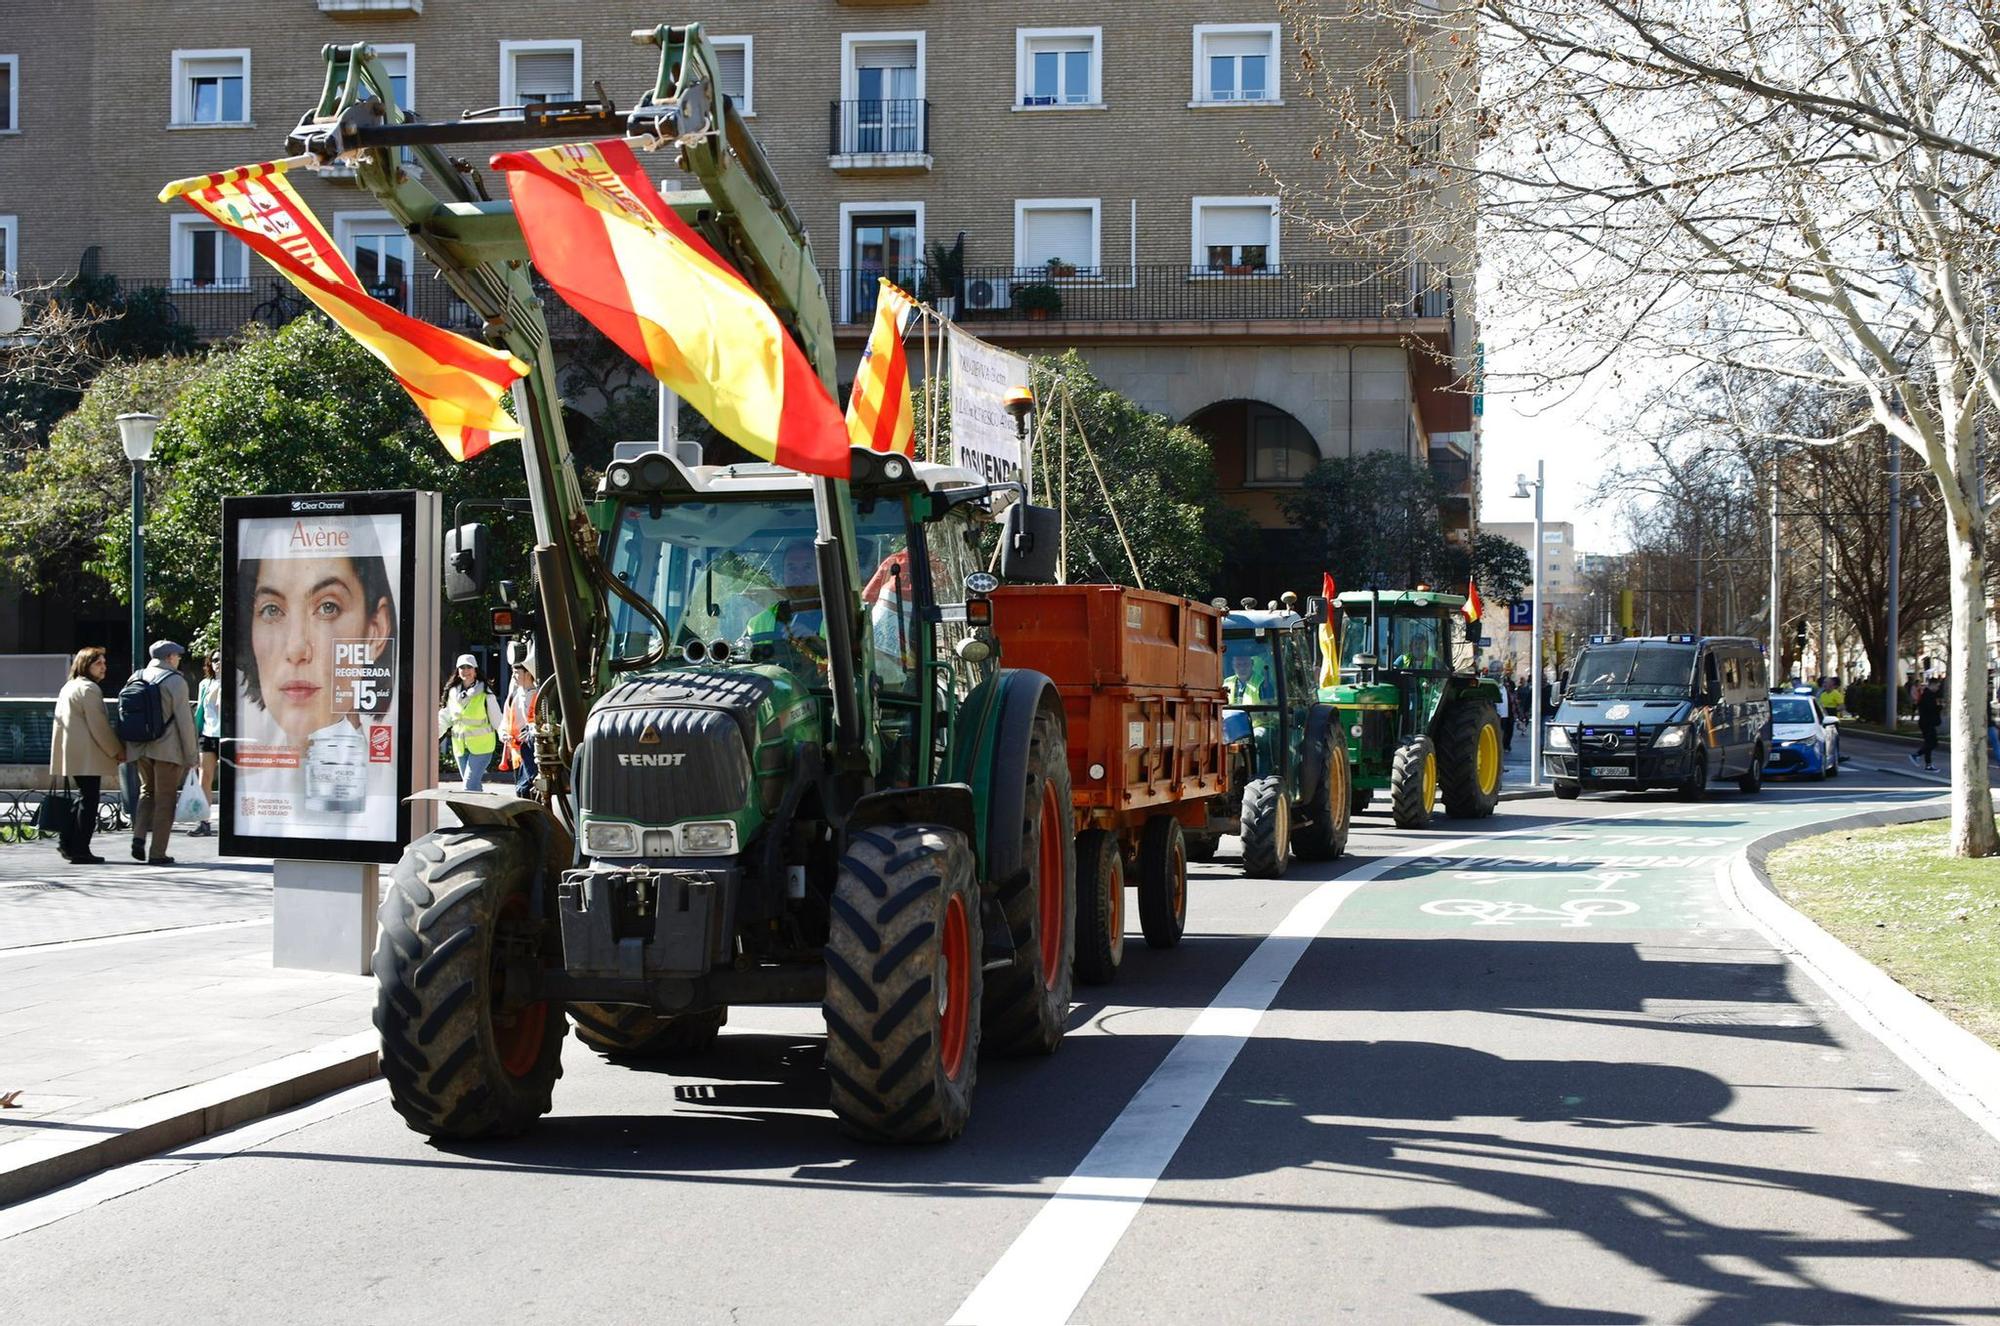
120	982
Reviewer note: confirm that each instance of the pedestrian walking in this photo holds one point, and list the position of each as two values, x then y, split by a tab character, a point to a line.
1992	728
84	750
157	722
208	718
1506	718
1929	713
520	728
472	716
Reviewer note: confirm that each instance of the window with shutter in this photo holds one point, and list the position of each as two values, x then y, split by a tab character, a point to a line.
1235	62
534	72
1235	236
1056	233
734	55
211	87
10	230
1058	67
10	106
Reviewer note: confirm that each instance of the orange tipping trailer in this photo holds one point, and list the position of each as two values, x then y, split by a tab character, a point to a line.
1140	675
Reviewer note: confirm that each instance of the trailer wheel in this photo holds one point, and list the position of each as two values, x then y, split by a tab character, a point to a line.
1267	830
1100	906
1413	780
464	1056
903	980
622	1031
1468	756
1326	837
1027	1004
1162	882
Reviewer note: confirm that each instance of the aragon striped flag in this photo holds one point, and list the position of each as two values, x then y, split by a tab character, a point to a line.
879	413
600	233
457	383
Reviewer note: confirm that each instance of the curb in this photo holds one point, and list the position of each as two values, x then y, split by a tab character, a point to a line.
73	1150
1964	1068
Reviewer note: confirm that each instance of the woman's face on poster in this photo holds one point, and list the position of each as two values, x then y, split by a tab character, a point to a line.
300	611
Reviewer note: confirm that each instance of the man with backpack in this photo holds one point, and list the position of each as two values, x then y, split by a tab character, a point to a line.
156	722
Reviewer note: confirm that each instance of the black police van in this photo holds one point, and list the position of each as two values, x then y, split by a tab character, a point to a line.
1661	711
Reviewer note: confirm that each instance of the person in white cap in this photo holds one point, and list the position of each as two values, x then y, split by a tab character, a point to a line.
472	716
164	760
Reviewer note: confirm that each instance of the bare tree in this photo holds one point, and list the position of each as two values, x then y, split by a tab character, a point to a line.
1804	189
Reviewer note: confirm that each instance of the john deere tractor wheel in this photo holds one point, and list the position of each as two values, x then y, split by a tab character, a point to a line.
1100	906
1468	758
1413	781
1162	882
903	979
1267	829
621	1031
1027	1003
464	1057
1326	837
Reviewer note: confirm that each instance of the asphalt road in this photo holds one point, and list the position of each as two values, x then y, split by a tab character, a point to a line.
1530	1070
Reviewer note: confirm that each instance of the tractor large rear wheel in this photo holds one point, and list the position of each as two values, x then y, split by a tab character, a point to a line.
1100	906
622	1031
1267	830
1413	780
1326	837
903	979
1468	758
465	1056
1027	1003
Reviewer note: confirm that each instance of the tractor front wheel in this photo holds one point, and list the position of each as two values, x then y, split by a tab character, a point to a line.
1413	782
623	1031
1267	829
1027	1003
1162	882
466	1053
1100	906
1468	757
903	980
1326	837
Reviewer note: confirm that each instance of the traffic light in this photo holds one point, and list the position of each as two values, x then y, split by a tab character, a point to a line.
1799	635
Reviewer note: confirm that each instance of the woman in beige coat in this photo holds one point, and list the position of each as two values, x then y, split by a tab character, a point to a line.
84	748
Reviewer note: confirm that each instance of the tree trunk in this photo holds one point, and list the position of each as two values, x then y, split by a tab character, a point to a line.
1972	829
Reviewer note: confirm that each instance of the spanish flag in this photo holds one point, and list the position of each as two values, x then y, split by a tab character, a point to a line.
1329	646
879	413
600	233
1473	607
456	382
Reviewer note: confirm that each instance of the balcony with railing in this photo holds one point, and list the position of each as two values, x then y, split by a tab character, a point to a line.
876	135
213	309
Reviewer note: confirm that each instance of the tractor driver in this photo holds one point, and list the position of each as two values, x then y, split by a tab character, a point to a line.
1420	657
1246	684
797	618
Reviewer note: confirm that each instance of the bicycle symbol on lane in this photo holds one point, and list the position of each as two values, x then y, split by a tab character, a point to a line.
1572	914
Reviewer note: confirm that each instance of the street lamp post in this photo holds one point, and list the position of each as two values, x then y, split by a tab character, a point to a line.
135	432
1534	636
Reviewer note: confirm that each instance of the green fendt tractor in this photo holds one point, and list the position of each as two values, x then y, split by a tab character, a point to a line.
1415	724
778	761
1288	777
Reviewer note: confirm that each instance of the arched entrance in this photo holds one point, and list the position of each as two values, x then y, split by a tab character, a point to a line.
1260	453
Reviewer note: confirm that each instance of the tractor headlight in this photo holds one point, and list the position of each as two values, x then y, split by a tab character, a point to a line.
1558	739
708	838
1671	737
609	839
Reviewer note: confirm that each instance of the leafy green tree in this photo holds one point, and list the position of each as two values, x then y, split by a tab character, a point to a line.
301	410
1373	520
1157	475
1501	567
72	332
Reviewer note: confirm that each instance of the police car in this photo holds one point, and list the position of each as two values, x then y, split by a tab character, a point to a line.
1805	739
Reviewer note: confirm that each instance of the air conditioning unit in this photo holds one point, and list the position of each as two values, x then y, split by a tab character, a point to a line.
988	293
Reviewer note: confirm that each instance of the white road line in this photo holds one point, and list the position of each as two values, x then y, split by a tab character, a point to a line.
131	937
1052	1263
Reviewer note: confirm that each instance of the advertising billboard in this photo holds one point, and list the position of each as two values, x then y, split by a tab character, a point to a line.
329	638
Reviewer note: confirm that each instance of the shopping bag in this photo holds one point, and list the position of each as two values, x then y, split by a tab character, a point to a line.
57	815
193	803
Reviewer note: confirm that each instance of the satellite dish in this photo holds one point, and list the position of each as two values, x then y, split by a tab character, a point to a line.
11	315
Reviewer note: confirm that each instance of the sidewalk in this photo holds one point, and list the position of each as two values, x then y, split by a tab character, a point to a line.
122	983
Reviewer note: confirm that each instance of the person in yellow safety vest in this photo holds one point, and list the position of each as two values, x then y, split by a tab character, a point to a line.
1421	657
798	617
518	730
472	716
1246	683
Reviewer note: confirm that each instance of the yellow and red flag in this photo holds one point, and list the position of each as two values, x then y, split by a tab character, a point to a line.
879	413
457	383
1474	608
600	233
1329	647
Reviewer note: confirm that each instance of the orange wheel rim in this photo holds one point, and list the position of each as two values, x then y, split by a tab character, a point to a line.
517	1034
1114	886
954	988
1052	885
1179	865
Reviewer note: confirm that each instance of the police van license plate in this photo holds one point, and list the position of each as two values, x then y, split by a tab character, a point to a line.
1610	771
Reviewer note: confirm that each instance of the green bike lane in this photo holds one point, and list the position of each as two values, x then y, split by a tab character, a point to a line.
1549	1073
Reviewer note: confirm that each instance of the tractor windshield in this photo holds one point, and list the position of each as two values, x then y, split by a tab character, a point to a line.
1415	643
1634	670
744	573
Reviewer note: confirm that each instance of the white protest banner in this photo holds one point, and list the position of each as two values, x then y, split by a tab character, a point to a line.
982	432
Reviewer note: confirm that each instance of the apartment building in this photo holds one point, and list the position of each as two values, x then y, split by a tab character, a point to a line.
1062	174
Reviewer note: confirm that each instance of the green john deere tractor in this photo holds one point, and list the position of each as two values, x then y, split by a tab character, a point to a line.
1415	724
